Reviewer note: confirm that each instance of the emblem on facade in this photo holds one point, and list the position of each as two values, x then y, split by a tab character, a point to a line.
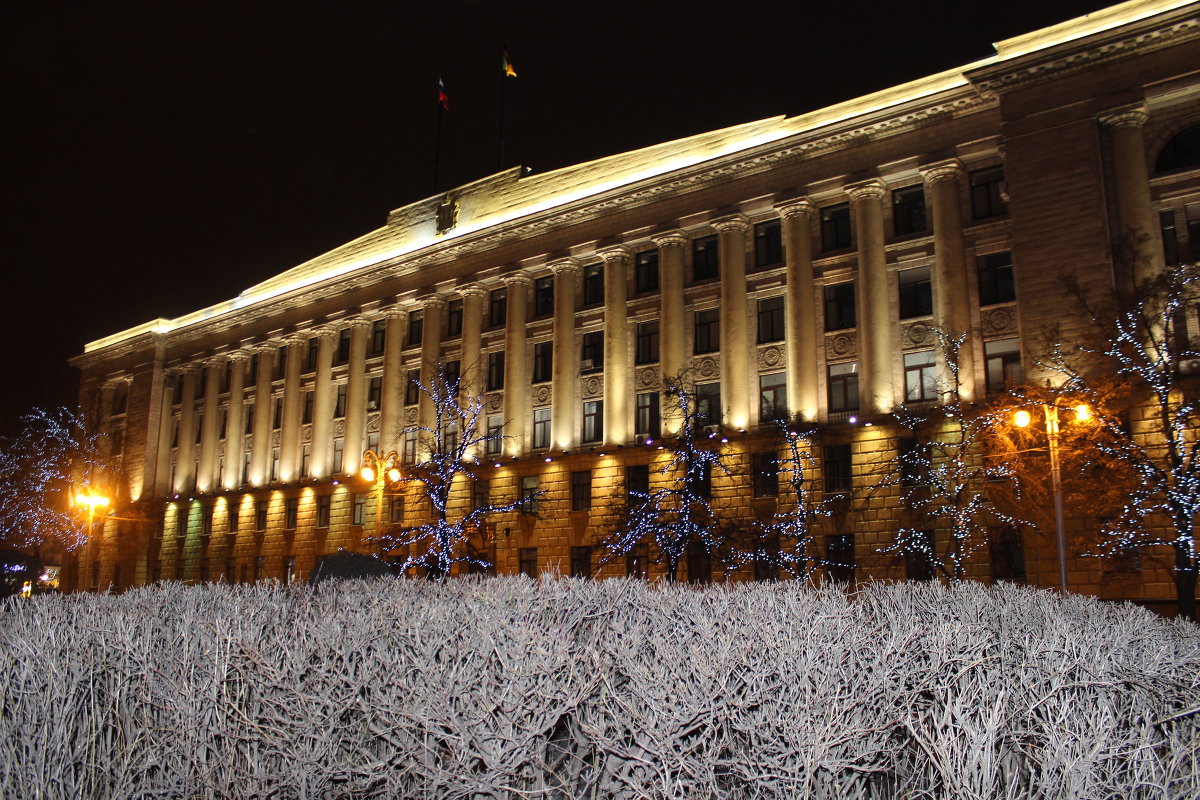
916	334
494	402
1000	320
647	378
410	416
339	427
541	395
708	367
593	386
841	345
373	423
769	357
447	214
275	439
306	433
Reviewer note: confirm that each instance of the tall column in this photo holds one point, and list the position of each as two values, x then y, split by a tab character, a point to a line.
617	368
951	295
356	393
260	454
874	322
473	367
736	386
431	349
235	422
672	329
800	320
289	428
162	472
206	479
566	358
1134	205
516	365
322	419
187	433
392	407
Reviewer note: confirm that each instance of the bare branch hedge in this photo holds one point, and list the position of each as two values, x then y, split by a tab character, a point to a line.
507	688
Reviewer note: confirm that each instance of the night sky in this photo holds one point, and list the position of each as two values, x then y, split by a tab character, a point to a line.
162	156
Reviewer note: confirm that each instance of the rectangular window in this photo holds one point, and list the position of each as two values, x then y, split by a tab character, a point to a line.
708	331
274	464
495	434
246	467
647	418
201	383
645	272
343	346
232	521
416	327
1003	357
770	319
768	244
541	428
987	193
529	494
835	227
181	521
307	416
839	307
543	362
495	371
410	447
995	279
646	343
248	413
260	568
699	481
252	375
593	284
843	386
396	509
908	210
310	356
260	515
765	470
708	403
497	307
481	494
920	376
281	356
324	503
358	508
836	468
374	393
206	520
706	263
543	296
412	387
591	352
637	562
772	396
373	442
226	378
1008	555
527	561
339	455
199	426
454	318
222	427
305	460
581	490
699	563
289	570
291	513
593	421
277	414
452	372
637	483
919	556
581	561
1166	224
339	405
916	293
378	337
839	557
1192	219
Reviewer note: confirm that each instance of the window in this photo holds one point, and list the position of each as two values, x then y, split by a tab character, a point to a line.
908	210
839	557
481	494
770	319
291	513
120	399
581	490
646	343
543	296
1008	555
1192	217
1003	357
637	562
995	279
248	413
920	376
281	355
645	272
409	455
495	371
705	259
226	378
708	331
454	318
396	509
581	561
839	307
765	472
529	494
541	428
181	521
836	467
591	356
373	442
911	461
647	421
835	227
772	396
543	362
495	434
260	564
307	416
305	460
378	337
452	373
233	521
206	520
339	455
324	502
252	374
343	346
637	483
1166	224
412	387
199	426
1182	151
339	405
497	307
416	327
708	403
768	244
310	357
919	555
699	481
593	421
916	293
527	559
593	284
260	515
201	383
358	508
450	438
222	427
374	393
987	193
274	464
246	467
699	563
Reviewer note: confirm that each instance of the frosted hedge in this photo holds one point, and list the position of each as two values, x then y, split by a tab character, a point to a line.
507	688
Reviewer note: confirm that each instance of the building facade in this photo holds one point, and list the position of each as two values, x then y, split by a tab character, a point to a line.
794	262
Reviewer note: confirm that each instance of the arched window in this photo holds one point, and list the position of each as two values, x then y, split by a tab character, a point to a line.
1182	151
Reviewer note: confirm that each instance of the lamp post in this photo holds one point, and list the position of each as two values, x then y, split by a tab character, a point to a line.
1022	419
379	469
91	501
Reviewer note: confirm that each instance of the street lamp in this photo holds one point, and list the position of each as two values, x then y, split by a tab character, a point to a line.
379	470
91	501
1022	419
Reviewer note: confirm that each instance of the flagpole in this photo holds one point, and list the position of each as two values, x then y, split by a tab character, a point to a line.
503	82
437	147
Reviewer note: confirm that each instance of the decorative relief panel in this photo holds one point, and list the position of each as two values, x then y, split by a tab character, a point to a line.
646	378
841	345
275	439
494	402
916	334
709	367
541	395
999	320
410	416
593	386
339	427
770	357
306	433
373	423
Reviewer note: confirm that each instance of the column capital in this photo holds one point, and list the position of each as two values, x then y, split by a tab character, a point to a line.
872	188
1131	116
517	279
238	355
797	207
950	169
295	339
328	329
565	265
360	322
214	361
617	252
265	348
732	223
433	301
472	290
392	312
670	239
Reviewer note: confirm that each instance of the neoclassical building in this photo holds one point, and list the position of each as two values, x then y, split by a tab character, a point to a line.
793	262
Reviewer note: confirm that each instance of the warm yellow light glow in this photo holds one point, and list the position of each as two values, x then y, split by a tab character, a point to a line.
93	500
393	475
1082	413
368	474
1022	419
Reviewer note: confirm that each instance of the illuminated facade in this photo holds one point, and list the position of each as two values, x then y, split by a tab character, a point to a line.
794	261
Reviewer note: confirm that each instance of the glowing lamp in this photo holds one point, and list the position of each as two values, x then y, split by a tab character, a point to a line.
1022	419
393	475
1083	413
93	500
853	420
368	474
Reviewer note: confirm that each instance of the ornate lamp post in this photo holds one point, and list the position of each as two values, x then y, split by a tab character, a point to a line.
91	501
380	470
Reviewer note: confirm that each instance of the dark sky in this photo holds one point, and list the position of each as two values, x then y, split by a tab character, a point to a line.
162	156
